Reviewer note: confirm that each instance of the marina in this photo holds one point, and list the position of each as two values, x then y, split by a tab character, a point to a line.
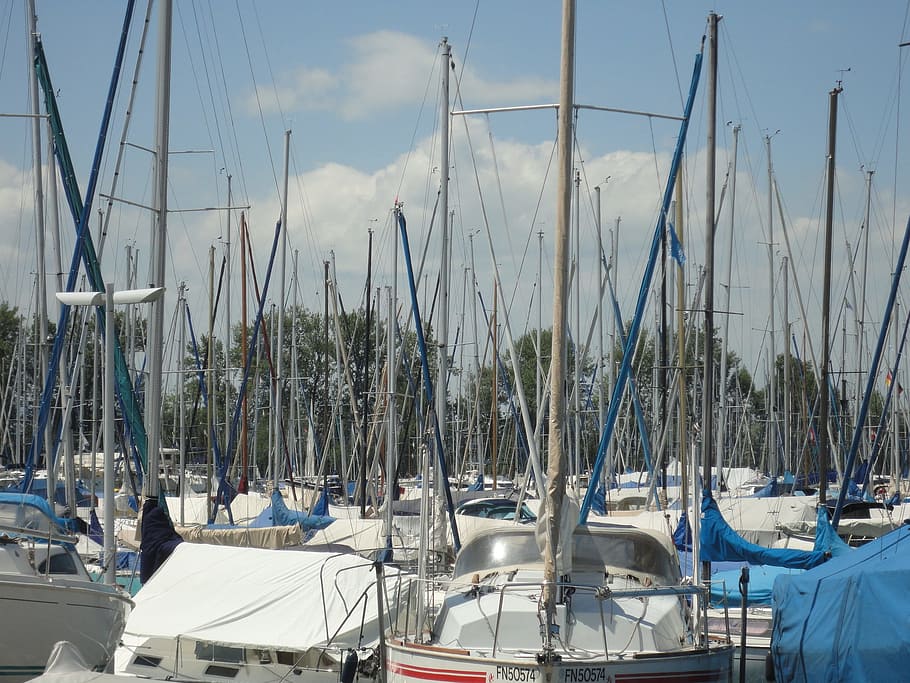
549	399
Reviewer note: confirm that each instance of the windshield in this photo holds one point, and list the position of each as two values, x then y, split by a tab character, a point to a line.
614	550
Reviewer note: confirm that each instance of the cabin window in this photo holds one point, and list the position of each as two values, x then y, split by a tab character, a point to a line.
143	660
287	658
61	563
210	652
222	671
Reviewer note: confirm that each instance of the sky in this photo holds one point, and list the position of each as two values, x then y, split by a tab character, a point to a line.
357	85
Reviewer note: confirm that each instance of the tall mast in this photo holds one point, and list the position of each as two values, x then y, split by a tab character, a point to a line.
181	408
861	308
158	248
556	475
576	370
442	326
392	375
476	421
681	349
823	442
494	394
707	429
364	389
41	270
539	369
227	322
279	341
325	367
728	287
600	318
210	389
785	322
772	394
244	416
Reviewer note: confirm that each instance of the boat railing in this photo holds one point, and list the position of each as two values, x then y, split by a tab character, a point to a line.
600	593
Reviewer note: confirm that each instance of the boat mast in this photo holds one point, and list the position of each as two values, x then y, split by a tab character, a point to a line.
181	407
40	273
681	350
391	468
600	315
773	461
538	375
227	323
158	249
861	308
707	428
728	287
279	363
442	327
823	441
576	369
243	486
785	323
364	389
556	475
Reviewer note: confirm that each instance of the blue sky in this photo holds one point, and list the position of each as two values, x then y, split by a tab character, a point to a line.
357	83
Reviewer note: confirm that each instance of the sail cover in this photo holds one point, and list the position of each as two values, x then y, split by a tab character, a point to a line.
251	597
720	543
845	620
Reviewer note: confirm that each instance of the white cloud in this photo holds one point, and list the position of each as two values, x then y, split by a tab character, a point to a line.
304	88
387	70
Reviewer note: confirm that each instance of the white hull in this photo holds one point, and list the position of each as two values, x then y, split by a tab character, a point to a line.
409	663
37	612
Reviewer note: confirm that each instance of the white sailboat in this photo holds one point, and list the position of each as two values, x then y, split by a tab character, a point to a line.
595	604
46	594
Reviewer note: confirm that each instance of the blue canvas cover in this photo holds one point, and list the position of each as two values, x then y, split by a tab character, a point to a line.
846	620
826	538
682	537
725	588
720	543
279	515
29	511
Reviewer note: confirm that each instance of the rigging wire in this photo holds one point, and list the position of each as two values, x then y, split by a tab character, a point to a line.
259	106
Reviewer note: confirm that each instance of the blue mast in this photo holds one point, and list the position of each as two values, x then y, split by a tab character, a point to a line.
628	349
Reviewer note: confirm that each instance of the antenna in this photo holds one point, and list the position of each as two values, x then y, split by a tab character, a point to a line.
840	81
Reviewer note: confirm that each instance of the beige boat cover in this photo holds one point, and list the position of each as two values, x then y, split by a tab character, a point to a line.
274	537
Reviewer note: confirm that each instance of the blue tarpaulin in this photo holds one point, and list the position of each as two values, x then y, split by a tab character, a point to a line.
719	543
846	620
279	515
40	505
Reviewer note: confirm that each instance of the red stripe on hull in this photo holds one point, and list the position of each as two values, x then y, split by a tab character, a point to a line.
444	675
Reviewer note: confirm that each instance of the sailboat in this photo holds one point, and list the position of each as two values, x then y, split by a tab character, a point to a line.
560	604
47	595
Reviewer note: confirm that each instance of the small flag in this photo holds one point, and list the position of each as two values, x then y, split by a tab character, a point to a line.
888	381
676	249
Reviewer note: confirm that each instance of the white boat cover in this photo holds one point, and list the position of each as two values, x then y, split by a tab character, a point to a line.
65	665
245	507
260	598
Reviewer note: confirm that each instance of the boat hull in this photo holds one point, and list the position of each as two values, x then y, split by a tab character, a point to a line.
39	611
410	663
